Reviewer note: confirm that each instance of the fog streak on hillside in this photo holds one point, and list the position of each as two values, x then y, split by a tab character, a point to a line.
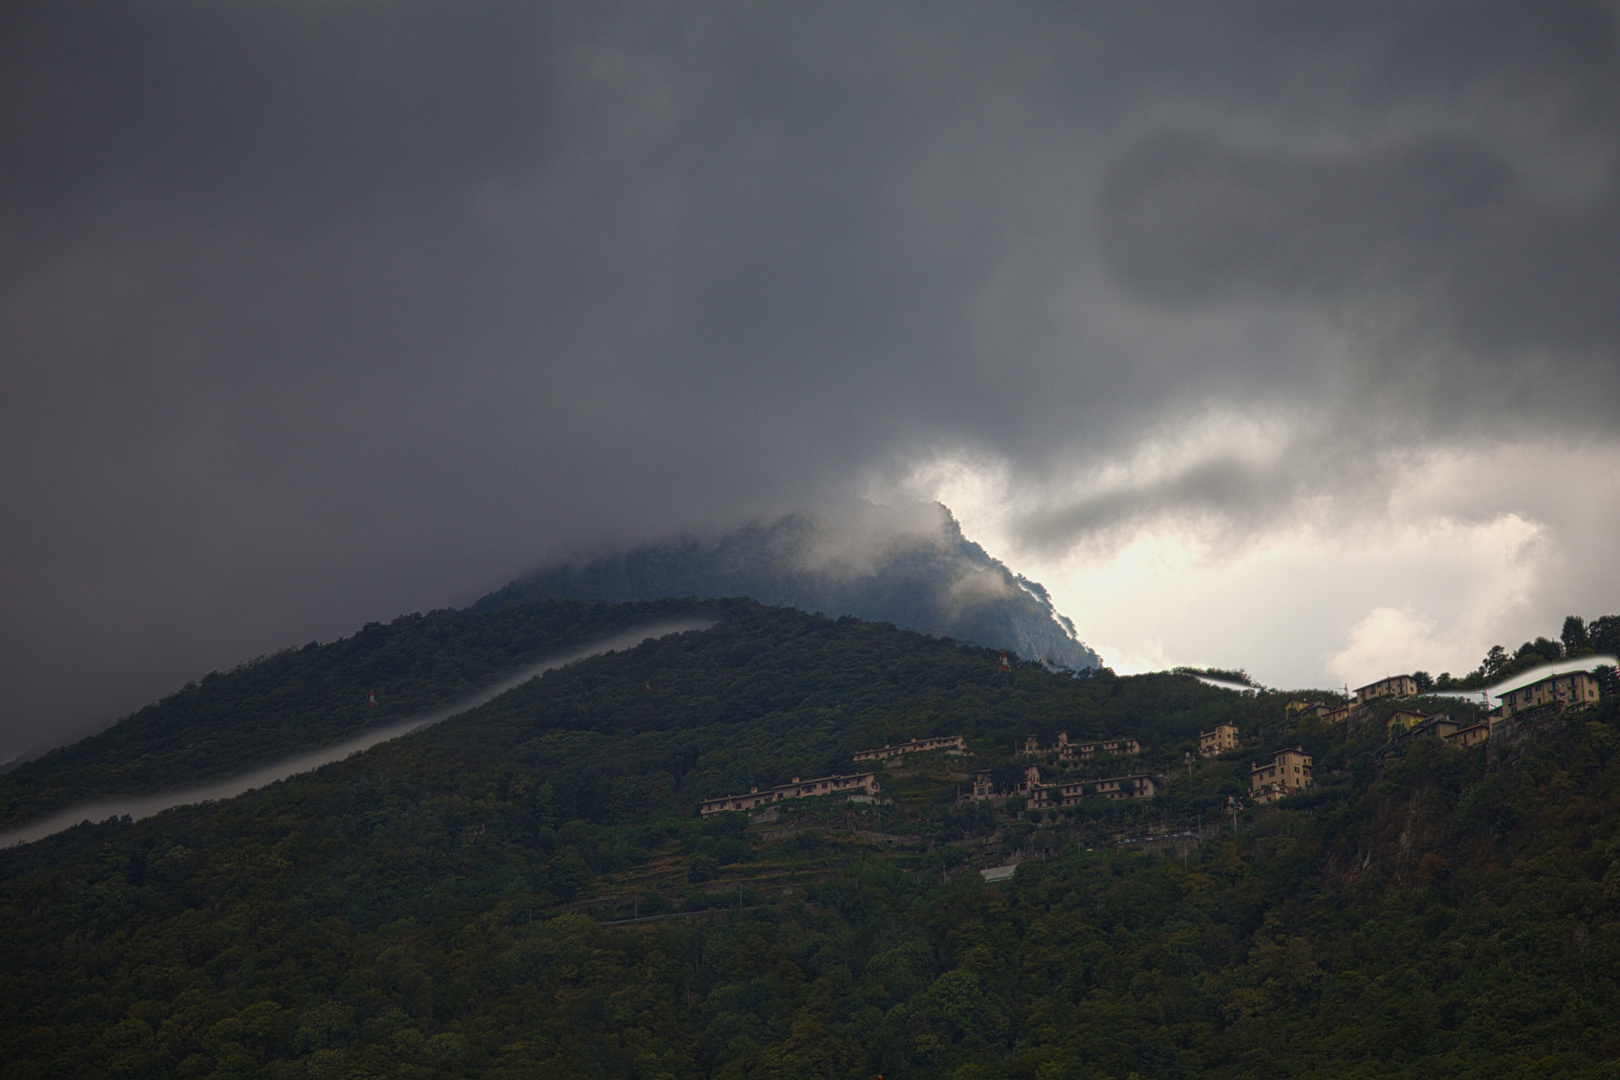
144	806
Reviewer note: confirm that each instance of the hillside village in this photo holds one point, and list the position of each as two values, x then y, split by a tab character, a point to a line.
789	823
1039	778
1037	781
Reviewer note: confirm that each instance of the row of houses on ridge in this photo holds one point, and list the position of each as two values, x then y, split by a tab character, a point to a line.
948	743
864	785
1118	787
1286	773
857	786
1405	727
860	785
1044	796
1289	770
1068	751
1301	707
1562	689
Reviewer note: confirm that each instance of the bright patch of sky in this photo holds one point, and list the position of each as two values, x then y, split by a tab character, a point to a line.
1463	547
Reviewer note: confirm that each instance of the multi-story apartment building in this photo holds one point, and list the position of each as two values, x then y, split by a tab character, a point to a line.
1222	739
1397	686
1287	772
1046	798
1569	688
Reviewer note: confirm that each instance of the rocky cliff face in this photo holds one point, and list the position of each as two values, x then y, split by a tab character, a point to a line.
911	567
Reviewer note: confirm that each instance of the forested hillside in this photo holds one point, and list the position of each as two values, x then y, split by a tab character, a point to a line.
303	698
868	563
527	890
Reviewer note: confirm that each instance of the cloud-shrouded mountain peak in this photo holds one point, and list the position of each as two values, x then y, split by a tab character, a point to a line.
910	566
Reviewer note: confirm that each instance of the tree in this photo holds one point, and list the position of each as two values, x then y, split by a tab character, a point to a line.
1604	635
1007	777
1573	634
1541	648
1424	681
1494	661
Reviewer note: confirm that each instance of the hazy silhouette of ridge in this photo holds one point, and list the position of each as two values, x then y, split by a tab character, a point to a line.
911	567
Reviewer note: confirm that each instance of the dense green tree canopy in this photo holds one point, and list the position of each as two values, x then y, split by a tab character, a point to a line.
527	890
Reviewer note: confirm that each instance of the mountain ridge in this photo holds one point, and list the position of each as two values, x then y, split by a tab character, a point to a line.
912	568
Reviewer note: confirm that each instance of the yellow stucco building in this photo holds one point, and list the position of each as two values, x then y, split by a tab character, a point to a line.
1287	772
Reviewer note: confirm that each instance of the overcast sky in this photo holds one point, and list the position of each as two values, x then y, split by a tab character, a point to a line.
1274	335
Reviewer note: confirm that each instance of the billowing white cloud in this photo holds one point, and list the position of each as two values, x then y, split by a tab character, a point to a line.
1422	563
1390	641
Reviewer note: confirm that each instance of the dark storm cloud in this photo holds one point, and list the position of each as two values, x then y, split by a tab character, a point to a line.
314	313
1434	206
1456	216
1221	486
1449	222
